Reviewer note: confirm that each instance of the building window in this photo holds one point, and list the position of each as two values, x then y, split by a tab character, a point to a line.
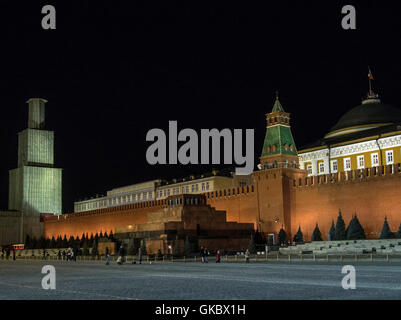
334	166
347	164
309	168
187	189
193	188
203	187
390	157
207	185
321	167
361	162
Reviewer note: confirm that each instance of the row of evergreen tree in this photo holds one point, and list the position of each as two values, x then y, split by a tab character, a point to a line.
63	242
354	231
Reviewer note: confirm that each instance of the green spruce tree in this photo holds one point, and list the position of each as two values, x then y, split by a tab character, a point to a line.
282	237
252	245
316	235
85	248
340	228
355	230
386	232
332	233
95	251
299	237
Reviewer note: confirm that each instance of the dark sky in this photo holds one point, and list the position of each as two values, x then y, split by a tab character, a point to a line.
112	70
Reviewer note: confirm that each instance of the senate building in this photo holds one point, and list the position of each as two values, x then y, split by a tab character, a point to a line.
355	168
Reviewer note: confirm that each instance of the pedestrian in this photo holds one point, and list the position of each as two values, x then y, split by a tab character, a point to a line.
71	255
218	256
202	254
121	254
140	255
8	253
64	255
14	254
44	254
59	255
247	256
2	254
107	259
206	255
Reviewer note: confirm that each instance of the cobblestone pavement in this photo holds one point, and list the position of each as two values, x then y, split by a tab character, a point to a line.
187	281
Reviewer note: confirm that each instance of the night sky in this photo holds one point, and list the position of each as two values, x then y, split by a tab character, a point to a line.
113	70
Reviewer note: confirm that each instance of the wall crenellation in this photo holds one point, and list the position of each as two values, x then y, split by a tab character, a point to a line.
228	193
353	176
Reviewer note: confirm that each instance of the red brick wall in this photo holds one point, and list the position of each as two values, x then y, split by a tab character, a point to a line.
371	198
103	220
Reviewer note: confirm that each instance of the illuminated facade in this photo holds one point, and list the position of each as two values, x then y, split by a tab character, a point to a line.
158	189
35	186
367	136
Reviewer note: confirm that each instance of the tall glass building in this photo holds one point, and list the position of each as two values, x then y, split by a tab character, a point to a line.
35	186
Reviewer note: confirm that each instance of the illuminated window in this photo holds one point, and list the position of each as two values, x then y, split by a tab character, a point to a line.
361	162
347	164
334	166
207	185
321	167
203	186
309	168
390	157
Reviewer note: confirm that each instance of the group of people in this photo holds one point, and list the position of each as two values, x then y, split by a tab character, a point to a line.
121	256
6	253
69	255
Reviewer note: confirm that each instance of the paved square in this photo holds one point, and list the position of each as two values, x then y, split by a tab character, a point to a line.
93	280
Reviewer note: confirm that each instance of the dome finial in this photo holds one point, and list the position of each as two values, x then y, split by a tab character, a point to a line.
372	97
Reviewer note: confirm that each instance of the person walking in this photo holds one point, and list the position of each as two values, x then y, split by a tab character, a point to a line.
247	256
8	253
64	254
44	254
14	254
2	254
202	254
218	256
206	255
59	255
120	259
107	259
140	255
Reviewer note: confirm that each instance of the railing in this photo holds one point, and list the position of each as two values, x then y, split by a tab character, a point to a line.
271	257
